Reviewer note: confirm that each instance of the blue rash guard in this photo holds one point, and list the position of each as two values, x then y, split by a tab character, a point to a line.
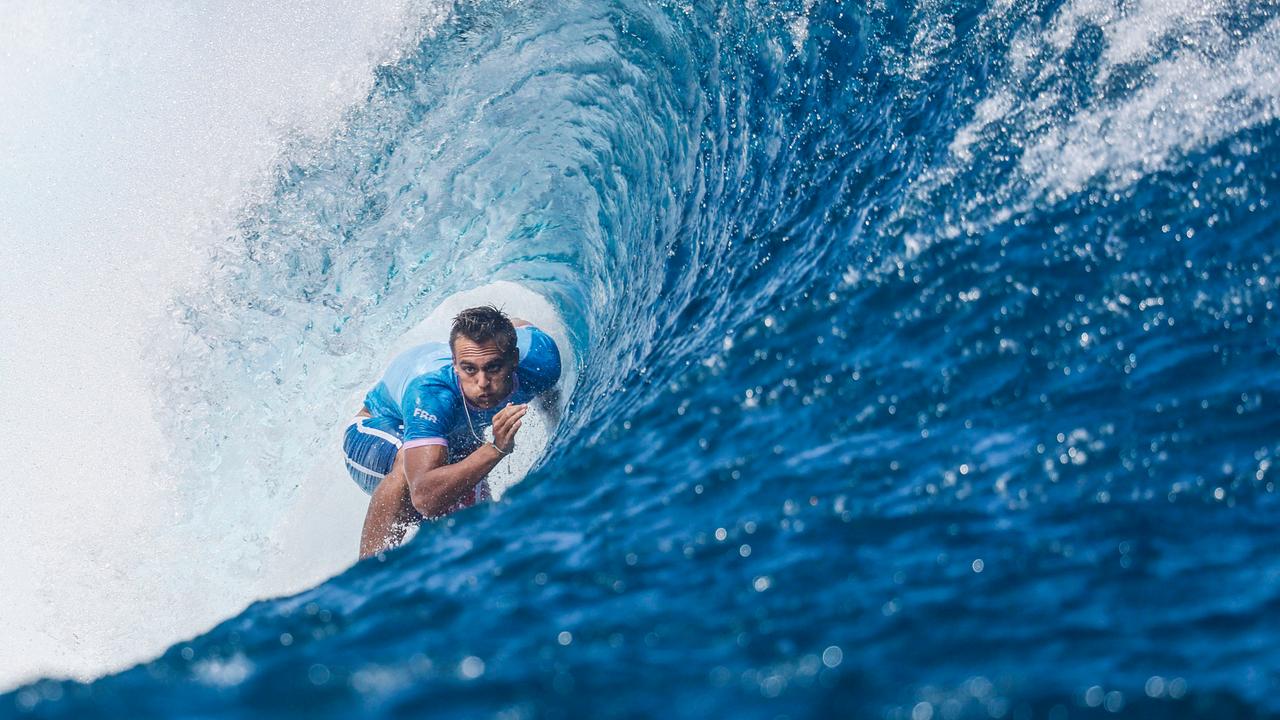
419	402
420	389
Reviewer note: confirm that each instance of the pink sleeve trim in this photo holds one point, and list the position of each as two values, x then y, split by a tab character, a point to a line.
420	442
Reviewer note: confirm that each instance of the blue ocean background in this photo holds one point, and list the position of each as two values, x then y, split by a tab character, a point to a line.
928	367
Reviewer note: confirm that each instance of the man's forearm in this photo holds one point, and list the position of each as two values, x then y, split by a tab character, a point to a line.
389	511
435	491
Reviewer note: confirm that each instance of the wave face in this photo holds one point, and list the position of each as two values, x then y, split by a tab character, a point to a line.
928	363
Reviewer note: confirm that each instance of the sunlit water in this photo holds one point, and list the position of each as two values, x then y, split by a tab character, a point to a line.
927	358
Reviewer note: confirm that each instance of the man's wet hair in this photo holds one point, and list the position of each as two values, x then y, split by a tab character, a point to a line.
483	324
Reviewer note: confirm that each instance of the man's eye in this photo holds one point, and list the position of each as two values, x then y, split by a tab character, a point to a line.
469	370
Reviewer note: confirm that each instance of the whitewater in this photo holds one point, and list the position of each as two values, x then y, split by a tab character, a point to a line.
127	132
924	356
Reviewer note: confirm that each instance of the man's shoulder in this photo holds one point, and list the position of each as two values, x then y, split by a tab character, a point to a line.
533	341
539	366
415	363
434	388
436	381
430	405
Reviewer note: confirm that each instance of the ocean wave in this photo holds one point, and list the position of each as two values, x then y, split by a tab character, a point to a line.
926	365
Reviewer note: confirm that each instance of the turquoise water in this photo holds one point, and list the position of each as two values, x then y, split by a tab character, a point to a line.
927	368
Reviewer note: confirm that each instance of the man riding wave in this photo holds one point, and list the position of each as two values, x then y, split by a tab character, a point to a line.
417	446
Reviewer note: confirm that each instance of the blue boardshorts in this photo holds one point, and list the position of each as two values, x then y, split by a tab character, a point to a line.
371	444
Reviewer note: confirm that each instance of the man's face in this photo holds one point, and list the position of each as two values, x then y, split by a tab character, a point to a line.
484	373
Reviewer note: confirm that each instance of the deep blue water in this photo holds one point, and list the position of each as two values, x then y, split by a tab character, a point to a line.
929	367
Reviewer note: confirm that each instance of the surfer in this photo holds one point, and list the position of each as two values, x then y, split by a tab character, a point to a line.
417	447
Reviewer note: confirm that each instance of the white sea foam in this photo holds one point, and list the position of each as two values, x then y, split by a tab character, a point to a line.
126	131
1202	80
1193	101
1206	83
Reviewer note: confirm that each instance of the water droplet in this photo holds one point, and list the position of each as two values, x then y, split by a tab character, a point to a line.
318	674
471	667
1155	686
1093	696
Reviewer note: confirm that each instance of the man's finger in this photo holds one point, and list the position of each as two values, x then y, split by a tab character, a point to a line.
511	410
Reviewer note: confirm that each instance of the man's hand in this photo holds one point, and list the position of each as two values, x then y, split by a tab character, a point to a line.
505	425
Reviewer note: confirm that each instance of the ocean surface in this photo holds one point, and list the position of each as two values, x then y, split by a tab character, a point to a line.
929	368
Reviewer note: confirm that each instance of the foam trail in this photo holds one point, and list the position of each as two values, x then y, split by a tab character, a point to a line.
125	132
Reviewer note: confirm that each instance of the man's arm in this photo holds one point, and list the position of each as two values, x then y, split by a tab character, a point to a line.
435	487
390	512
420	484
